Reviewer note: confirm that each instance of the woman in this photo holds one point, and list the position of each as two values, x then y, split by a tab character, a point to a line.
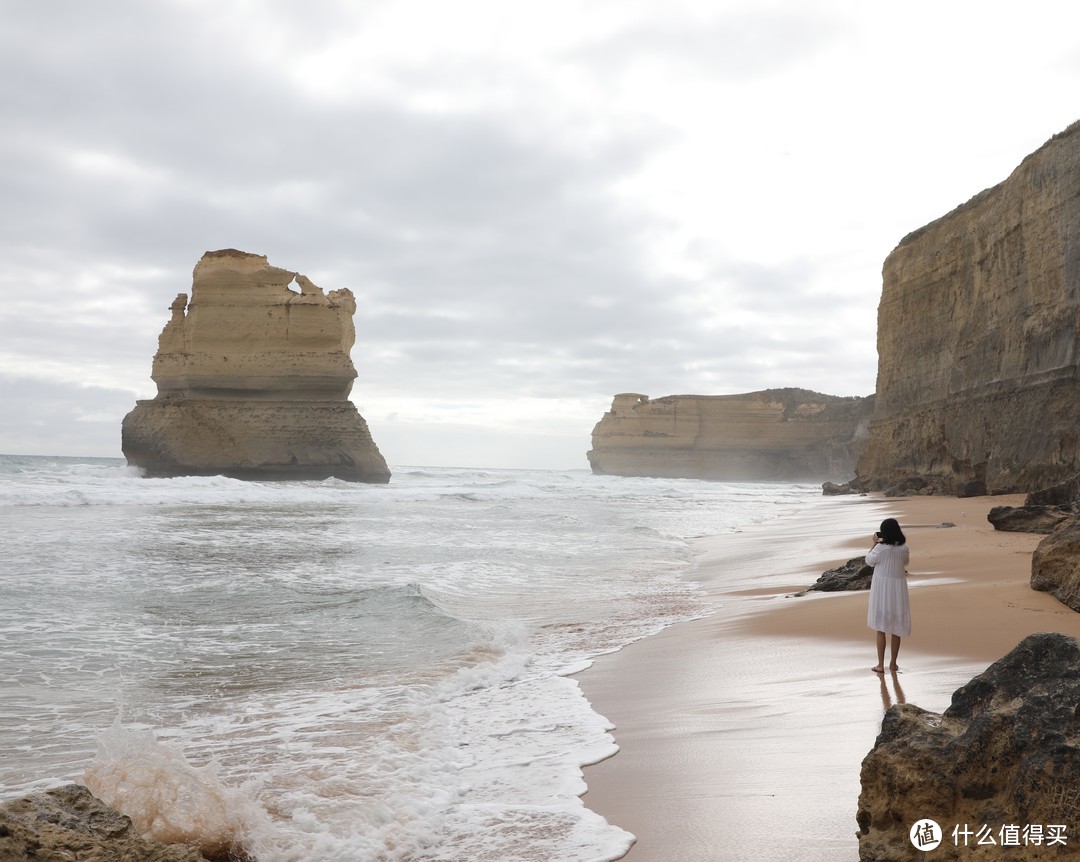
889	612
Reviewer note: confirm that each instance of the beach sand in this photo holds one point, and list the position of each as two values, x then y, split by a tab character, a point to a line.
741	735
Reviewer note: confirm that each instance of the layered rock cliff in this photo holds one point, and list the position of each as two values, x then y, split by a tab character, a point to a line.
978	338
253	381
774	435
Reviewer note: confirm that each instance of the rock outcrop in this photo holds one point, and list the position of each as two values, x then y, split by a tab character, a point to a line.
855	574
1028	519
1043	511
774	435
1055	565
69	823
253	381
978	338
1001	761
831	489
1063	495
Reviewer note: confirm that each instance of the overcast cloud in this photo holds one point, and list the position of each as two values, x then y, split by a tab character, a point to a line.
537	205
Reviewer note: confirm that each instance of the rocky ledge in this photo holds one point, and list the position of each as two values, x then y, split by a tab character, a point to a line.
253	377
1001	763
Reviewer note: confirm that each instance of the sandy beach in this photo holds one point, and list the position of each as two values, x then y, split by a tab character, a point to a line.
741	735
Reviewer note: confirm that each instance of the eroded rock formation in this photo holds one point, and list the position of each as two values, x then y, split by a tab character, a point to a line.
978	338
69	823
774	435
1055	565
1004	754
253	381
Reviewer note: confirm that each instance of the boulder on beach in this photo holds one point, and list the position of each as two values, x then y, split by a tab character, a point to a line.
1064	494
1055	565
1029	519
1001	761
832	489
70	823
855	574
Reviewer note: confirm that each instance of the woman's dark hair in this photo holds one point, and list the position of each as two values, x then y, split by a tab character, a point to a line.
891	534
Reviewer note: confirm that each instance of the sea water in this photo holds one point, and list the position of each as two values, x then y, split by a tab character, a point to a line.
334	671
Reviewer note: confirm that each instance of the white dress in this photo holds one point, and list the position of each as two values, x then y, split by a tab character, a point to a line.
889	610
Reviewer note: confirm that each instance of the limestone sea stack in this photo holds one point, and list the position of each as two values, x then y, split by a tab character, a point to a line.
780	435
979	339
253	377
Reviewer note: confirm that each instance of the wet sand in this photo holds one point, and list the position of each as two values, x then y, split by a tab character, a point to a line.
741	735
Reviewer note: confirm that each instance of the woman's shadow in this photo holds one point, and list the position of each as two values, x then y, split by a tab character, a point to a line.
887	697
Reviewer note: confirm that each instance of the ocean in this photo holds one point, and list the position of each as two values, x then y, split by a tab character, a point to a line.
333	671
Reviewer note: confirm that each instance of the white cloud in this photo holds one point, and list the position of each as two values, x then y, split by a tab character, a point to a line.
537	205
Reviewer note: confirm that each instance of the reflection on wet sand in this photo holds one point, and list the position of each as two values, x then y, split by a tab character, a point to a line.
896	695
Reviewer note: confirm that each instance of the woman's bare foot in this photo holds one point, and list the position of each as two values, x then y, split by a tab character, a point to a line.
894	668
878	669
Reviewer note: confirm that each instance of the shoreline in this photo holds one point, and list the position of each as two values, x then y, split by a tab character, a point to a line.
741	735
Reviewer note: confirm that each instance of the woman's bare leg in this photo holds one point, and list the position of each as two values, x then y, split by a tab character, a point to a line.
880	667
895	644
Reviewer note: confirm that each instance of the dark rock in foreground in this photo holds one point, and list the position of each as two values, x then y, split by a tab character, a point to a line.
71	824
1005	754
853	575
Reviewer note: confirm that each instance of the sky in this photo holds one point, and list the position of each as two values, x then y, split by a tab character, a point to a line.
538	205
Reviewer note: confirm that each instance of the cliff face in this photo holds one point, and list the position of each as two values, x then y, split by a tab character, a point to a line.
774	435
253	381
977	338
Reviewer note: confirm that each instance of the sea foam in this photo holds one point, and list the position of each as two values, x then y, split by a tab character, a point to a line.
169	799
322	671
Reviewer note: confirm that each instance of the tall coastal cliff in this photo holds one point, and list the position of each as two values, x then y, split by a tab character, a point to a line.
253	381
774	435
978	339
